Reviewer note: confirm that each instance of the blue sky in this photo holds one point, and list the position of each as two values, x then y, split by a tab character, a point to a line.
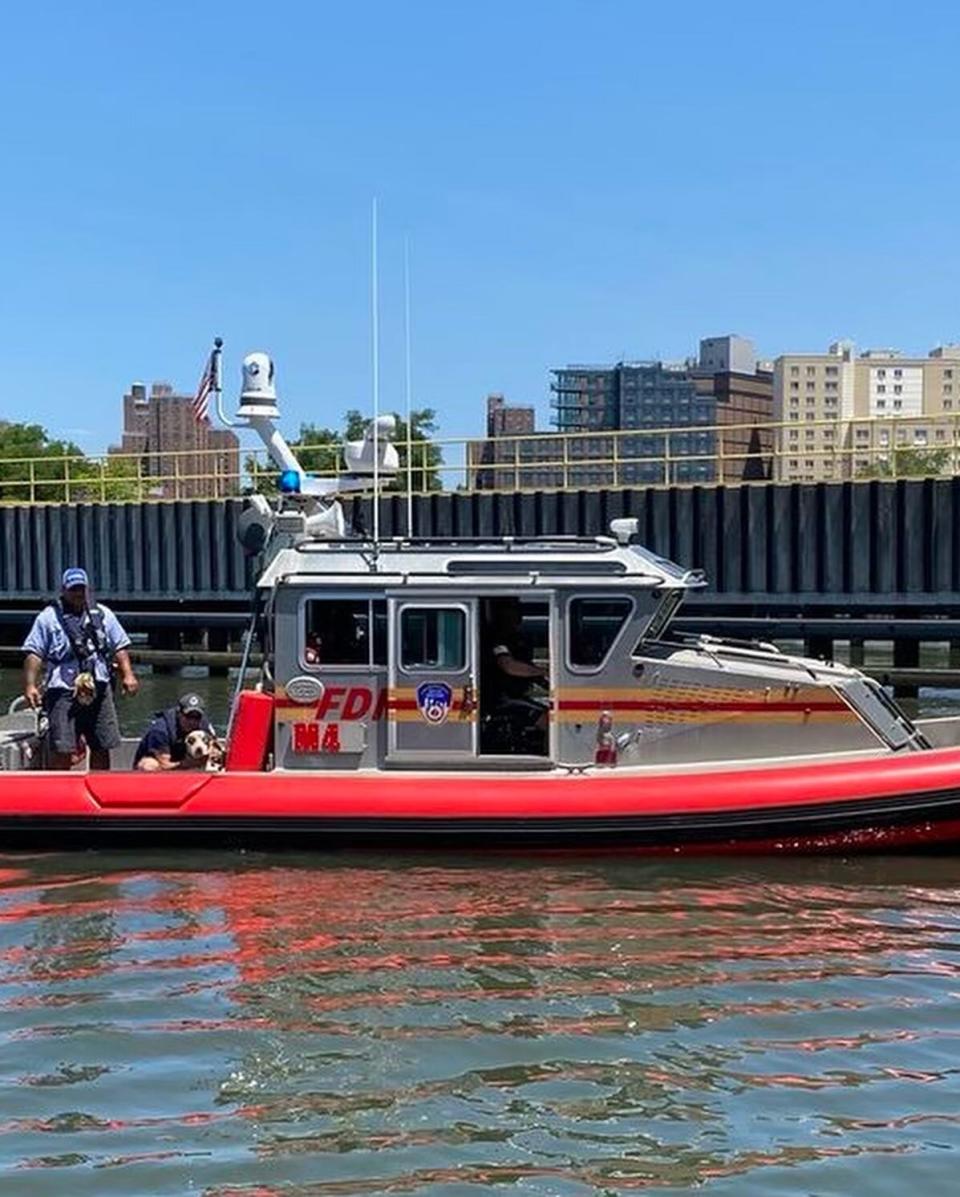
578	182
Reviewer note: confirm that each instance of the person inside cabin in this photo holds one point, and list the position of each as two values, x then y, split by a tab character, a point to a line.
164	743
70	655
513	679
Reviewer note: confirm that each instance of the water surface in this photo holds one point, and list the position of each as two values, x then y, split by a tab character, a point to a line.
234	1024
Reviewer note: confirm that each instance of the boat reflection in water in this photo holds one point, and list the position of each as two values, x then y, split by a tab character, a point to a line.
349	1026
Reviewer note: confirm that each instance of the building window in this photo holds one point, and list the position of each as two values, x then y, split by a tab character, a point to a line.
881	390
948	374
884	437
808	464
881	374
794	371
811	370
811	386
831	400
881	403
811	399
794	434
863	434
897	389
948	388
898	374
793	463
795	415
941	435
811	415
794	386
831	371
897	404
810	434
794	400
830	386
947	404
828	434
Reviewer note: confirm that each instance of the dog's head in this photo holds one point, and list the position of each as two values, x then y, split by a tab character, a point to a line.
85	689
198	745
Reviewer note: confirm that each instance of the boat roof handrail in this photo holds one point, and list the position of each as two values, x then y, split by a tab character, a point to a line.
369	579
544	544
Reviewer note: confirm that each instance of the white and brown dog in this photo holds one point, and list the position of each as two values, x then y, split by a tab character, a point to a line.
84	689
203	751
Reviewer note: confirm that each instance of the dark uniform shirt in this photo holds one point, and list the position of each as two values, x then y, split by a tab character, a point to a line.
164	736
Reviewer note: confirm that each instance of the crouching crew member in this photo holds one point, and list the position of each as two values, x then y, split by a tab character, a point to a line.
71	648
164	743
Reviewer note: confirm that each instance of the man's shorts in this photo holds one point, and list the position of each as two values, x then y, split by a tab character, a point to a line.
96	723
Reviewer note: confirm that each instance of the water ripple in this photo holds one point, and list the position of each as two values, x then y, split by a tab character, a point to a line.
334	1025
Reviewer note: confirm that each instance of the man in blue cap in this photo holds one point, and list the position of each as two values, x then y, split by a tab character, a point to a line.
72	648
164	743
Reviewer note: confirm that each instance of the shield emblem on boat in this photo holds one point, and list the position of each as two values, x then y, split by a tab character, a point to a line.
434	700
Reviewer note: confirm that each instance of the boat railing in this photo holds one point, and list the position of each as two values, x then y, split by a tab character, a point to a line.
506	543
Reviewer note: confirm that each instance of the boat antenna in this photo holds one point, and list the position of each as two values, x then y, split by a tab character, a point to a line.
406	326
375	322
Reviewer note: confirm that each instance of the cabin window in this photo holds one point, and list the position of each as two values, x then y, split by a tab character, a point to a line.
345	632
595	623
433	638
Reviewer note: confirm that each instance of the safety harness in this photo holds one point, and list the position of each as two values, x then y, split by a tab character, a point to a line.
85	634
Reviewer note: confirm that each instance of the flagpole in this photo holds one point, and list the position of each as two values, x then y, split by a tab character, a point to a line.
218	383
375	322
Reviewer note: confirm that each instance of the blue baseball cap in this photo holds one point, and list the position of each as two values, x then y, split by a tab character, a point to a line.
74	577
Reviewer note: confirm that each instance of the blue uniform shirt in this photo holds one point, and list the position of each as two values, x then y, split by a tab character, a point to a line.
48	641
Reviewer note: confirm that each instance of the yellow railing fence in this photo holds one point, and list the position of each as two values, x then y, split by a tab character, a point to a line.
853	449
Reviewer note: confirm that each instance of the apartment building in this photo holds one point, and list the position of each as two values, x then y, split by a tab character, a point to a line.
187	459
716	405
845	415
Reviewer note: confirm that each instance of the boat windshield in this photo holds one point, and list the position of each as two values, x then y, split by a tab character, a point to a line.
661	617
662	564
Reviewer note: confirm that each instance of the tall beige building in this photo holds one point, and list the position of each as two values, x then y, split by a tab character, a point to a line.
845	415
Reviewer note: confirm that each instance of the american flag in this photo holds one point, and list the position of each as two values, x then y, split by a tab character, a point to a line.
201	401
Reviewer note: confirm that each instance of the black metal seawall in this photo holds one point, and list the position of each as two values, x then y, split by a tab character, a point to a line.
846	546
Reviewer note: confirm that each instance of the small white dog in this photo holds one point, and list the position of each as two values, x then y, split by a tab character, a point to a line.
203	751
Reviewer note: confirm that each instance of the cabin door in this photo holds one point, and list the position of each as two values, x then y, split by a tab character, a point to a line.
433	708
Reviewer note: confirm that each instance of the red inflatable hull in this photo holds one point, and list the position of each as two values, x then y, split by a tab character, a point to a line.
905	802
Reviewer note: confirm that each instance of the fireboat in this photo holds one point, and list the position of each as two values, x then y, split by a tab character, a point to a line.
378	717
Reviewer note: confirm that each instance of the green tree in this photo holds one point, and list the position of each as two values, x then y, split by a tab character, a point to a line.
36	468
32	466
909	463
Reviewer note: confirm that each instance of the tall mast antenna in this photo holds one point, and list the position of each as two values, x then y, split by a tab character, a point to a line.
375	321
406	323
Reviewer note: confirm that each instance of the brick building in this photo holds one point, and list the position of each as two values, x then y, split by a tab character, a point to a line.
189	460
514	456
